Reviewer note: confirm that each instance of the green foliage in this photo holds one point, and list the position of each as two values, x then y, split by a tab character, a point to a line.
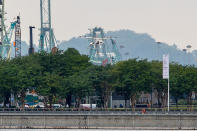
133	78
102	80
66	75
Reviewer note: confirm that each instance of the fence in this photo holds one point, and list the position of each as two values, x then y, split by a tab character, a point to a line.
175	109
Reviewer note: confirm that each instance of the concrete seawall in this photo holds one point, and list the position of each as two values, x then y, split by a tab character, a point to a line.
98	121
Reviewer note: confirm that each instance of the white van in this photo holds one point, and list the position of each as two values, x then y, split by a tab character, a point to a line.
57	106
88	106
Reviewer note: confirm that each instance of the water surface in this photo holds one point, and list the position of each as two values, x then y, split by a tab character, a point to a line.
73	130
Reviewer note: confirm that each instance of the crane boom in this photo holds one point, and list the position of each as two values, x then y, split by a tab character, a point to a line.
6	44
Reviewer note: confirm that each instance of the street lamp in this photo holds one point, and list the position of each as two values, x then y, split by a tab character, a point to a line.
158	47
185	52
188	49
189	46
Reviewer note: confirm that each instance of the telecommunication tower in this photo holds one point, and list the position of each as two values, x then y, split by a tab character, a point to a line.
47	37
103	50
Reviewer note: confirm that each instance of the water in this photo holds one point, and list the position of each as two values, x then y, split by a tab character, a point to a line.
73	130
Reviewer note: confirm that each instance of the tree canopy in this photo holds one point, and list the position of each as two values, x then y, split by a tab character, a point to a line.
69	75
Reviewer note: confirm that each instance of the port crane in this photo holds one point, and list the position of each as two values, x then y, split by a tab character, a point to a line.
5	47
6	35
47	38
102	50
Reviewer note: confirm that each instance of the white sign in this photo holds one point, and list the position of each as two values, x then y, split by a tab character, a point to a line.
165	66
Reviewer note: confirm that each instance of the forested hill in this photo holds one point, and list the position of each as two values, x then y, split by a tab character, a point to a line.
134	45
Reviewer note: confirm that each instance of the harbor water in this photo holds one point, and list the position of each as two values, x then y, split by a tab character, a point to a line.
73	130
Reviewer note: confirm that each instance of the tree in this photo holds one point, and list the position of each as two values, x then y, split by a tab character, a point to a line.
7	80
189	83
72	62
159	84
49	86
176	79
133	78
81	86
101	81
27	70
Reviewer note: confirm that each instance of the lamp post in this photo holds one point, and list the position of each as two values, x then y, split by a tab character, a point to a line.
188	49
158	47
185	52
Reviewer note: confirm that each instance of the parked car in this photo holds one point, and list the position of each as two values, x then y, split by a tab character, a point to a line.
57	106
26	106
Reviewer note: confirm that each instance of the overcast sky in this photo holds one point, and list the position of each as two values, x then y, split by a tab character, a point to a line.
170	21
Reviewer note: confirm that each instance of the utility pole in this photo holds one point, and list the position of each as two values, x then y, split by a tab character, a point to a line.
47	37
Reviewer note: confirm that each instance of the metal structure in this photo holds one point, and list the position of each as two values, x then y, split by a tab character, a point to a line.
6	35
31	48
17	43
116	57
103	50
3	33
47	38
6	43
1	22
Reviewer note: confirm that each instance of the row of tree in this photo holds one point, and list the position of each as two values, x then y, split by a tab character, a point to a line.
67	75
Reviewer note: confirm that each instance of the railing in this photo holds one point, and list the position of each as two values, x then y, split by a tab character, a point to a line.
173	109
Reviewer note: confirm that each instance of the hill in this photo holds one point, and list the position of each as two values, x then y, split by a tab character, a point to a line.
134	45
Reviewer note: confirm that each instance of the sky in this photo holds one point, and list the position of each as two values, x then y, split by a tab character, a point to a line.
169	21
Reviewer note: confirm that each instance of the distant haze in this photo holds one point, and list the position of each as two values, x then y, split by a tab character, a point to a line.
170	21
